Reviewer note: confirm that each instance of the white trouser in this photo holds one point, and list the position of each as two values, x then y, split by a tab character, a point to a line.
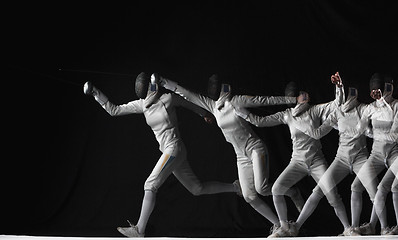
390	179
376	162
173	160
297	170
253	171
340	168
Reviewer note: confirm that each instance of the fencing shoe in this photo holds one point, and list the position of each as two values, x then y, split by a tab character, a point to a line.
367	229
131	232
351	231
393	231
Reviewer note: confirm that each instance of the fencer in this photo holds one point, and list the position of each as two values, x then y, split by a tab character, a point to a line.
307	157
251	152
351	154
159	109
382	116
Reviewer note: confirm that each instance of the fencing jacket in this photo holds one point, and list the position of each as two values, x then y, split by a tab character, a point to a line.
160	116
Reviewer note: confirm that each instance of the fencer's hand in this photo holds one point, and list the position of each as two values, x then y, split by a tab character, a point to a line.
168	84
336	79
375	94
303	97
154	78
88	89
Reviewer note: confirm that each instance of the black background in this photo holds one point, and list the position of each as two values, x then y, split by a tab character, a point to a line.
69	169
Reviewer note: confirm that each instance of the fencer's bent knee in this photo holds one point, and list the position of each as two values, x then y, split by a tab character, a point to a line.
250	197
334	199
278	189
150	187
357	187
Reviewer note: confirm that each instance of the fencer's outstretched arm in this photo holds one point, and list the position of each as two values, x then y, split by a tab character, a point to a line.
258	101
267	121
112	109
197	99
124	109
179	101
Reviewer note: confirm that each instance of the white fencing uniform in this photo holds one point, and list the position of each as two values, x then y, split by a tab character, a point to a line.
383	118
160	114
251	152
161	117
351	153
307	157
385	140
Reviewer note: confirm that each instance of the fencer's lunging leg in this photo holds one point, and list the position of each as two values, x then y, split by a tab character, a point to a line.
309	207
148	204
190	181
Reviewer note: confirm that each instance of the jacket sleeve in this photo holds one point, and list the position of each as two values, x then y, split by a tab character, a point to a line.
258	101
323	110
267	121
197	99
321	131
181	102
124	109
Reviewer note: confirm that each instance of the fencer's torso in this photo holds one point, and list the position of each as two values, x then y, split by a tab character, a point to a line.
382	120
160	116
236	130
304	147
349	147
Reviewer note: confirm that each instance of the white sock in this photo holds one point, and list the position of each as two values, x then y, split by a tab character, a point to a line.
308	209
374	218
148	204
261	207
281	209
341	213
356	208
395	203
380	206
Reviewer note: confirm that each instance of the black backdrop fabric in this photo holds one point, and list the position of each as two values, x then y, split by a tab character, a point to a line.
70	169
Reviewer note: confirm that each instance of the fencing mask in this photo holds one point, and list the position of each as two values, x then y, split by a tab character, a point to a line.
214	87
141	85
351	101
